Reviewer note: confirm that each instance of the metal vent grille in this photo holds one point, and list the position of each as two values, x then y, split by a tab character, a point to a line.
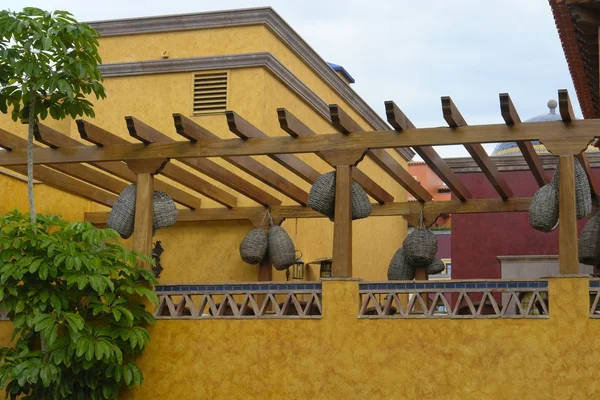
210	92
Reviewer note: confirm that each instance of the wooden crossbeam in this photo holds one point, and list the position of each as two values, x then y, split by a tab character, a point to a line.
454	119
345	124
474	206
511	117
147	134
171	171
195	132
58	180
400	122
246	130
566	113
56	139
297	128
440	136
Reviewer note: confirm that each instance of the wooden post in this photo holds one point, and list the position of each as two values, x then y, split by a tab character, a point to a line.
142	234
568	260
342	229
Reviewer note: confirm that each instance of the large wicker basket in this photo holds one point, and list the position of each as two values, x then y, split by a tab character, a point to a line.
399	270
436	267
322	195
420	247
589	242
164	211
322	198
281	248
543	210
583	195
122	214
254	246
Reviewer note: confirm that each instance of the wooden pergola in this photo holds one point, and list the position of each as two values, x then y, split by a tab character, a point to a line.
119	162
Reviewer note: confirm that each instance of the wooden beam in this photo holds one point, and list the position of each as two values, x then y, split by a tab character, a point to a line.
117	168
400	122
554	130
142	235
147	134
189	128
345	124
474	206
342	224
511	117
454	119
567	115
567	249
297	128
171	171
246	130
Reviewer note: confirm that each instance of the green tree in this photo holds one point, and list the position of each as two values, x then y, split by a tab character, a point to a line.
48	65
76	288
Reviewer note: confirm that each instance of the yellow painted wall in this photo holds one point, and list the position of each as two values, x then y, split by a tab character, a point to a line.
197	252
343	357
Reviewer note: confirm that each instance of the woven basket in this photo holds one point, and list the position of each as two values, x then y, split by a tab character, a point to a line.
589	242
436	267
543	210
583	195
122	214
281	248
254	246
164	212
399	270
420	247
322	195
361	206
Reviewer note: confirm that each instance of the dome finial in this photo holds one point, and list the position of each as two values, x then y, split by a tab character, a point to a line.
552	104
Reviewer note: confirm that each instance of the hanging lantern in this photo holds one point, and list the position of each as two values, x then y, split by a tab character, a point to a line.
325	266
298	268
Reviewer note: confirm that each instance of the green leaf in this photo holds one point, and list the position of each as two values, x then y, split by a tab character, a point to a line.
127	374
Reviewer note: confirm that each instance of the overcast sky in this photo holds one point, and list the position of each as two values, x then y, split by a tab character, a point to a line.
412	52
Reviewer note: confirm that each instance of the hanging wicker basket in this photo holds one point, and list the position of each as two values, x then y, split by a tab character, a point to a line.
122	214
420	247
543	210
321	197
583	194
399	270
436	267
361	206
281	248
253	248
164	211
589	242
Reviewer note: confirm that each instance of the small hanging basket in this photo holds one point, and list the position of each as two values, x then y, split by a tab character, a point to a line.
589	242
322	195
420	247
281	248
361	206
164	211
254	246
583	194
399	270
543	210
436	267
122	214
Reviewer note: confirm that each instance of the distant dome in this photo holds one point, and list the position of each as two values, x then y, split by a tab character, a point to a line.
511	148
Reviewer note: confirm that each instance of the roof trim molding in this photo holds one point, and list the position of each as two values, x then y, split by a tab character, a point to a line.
243	17
465	165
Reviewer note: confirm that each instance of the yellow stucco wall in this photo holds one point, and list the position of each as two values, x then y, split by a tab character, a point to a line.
341	356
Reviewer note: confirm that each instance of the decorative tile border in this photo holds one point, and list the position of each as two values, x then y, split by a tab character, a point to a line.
455	285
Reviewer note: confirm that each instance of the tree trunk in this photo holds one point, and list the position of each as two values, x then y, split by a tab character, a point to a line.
31	123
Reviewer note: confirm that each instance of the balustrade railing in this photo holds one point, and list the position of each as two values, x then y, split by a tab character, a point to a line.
454	299
594	298
239	300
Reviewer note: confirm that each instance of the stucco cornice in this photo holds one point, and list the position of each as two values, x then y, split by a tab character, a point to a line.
243	17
